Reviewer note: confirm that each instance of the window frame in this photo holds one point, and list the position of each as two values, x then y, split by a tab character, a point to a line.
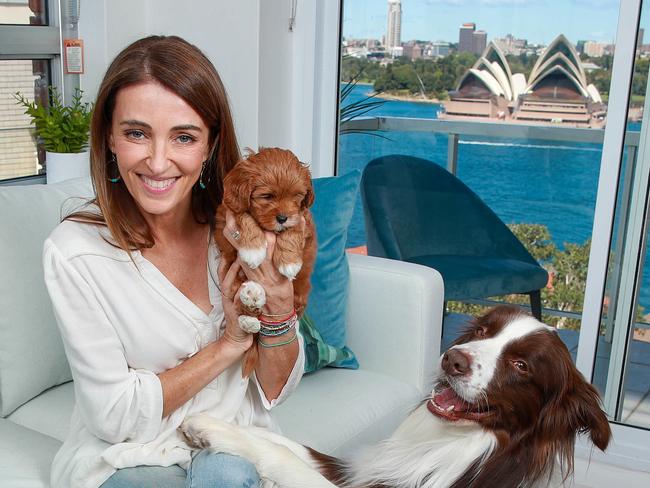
37	42
631	445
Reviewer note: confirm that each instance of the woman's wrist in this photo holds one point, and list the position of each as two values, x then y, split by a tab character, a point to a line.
279	301
232	345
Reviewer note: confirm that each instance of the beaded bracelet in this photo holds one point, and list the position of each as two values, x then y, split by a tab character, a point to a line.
286	314
278	330
277	344
284	318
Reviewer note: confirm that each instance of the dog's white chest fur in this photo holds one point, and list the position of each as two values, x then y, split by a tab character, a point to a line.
424	451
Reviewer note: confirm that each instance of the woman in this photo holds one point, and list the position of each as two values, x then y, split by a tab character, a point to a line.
151	334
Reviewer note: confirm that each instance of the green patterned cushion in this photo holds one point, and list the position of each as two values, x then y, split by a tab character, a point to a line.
318	353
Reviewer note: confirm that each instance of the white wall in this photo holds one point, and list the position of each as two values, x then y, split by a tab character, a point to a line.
227	32
282	85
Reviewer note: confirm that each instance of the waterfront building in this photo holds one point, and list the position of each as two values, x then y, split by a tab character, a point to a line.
412	50
394	31
556	91
438	49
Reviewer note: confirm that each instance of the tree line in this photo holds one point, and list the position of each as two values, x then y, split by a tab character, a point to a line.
436	77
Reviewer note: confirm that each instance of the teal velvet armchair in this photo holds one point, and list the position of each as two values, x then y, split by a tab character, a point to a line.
416	211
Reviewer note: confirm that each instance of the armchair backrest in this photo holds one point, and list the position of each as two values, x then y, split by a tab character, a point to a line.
414	207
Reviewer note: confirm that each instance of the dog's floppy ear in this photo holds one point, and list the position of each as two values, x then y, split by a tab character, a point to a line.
576	410
308	201
238	188
586	415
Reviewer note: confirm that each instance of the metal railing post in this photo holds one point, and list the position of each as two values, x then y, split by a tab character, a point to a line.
452	153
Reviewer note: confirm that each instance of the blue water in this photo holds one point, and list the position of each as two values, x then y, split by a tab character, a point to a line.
523	181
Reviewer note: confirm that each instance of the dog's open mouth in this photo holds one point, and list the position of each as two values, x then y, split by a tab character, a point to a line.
447	404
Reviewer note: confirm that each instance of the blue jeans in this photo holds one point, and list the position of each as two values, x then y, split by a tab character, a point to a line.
208	470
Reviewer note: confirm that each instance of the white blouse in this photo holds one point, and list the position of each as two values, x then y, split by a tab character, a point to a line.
123	322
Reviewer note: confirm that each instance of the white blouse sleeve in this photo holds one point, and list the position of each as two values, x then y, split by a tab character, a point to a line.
292	381
116	403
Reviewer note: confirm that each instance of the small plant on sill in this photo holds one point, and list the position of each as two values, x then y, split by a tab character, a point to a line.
61	128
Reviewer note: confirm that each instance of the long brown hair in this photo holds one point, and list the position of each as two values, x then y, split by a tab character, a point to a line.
182	68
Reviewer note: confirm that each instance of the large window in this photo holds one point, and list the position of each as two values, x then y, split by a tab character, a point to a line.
29	63
538	107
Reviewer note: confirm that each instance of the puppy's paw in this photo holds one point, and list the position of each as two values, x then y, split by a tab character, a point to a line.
249	324
252	295
290	270
253	257
195	430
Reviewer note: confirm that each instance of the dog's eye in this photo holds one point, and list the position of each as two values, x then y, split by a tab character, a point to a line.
520	365
266	196
480	332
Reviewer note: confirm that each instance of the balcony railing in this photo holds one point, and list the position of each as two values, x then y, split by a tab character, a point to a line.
455	130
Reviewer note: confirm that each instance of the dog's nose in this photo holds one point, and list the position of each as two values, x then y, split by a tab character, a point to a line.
281	218
456	363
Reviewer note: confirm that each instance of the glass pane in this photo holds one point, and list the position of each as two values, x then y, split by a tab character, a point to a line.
622	368
19	152
512	100
23	12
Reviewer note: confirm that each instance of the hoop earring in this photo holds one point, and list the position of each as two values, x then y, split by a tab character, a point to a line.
118	177
201	184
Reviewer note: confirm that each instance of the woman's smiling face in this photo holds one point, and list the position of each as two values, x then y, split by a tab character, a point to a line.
160	144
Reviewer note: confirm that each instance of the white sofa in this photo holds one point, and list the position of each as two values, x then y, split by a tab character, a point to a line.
394	327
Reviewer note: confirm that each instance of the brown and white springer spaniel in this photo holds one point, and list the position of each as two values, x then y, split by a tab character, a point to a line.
504	412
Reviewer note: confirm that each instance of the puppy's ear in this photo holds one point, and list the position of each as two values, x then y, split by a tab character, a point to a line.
237	189
308	201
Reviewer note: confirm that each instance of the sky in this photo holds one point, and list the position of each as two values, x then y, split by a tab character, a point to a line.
538	21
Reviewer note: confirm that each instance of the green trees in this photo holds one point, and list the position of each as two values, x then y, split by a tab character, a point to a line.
436	76
439	76
567	268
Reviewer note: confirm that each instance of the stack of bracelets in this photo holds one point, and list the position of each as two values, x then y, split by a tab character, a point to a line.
277	328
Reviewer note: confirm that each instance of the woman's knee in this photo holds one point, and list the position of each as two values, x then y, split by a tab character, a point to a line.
221	470
146	477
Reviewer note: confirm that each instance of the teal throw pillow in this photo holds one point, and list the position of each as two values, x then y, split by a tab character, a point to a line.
323	326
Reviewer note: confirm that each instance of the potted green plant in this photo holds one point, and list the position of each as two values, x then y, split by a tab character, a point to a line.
63	130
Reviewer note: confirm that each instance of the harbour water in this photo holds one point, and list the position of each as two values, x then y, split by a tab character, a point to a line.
522	180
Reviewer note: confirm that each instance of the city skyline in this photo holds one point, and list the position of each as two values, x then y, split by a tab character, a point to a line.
434	20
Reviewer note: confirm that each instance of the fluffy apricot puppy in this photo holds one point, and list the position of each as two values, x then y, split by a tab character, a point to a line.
270	190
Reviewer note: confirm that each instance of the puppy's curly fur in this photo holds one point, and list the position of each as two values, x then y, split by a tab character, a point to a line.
270	190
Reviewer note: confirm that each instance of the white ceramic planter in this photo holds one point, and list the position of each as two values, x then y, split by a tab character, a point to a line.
64	166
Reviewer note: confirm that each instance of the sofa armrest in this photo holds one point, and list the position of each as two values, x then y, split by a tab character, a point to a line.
394	322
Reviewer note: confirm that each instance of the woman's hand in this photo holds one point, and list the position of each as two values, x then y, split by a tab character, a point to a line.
279	289
233	334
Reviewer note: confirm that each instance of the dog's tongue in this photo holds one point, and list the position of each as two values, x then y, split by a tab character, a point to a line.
447	397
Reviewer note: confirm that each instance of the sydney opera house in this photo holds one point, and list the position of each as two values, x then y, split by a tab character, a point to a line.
556	91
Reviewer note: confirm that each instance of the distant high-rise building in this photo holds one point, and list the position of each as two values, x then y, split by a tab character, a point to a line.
471	40
479	42
639	40
465	37
394	32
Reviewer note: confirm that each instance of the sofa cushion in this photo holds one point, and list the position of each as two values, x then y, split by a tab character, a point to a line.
332	211
25	456
49	413
31	352
371	407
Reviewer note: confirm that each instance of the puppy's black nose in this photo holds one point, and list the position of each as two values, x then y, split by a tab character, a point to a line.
456	363
281	218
